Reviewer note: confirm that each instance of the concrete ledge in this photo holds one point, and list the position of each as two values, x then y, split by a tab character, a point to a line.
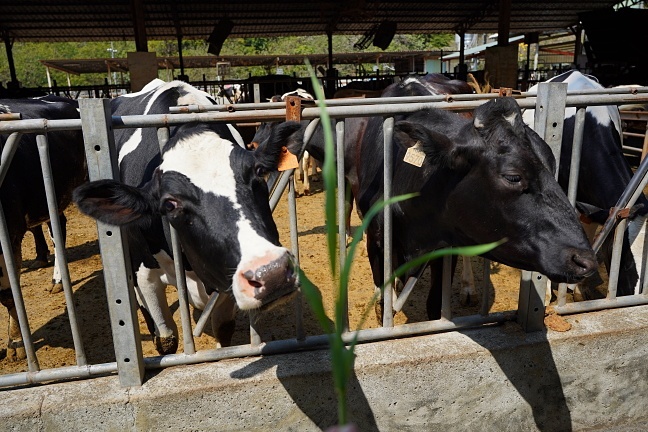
593	377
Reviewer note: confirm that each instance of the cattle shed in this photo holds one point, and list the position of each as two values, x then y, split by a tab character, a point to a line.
376	21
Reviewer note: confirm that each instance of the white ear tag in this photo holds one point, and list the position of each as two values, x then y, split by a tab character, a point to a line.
414	155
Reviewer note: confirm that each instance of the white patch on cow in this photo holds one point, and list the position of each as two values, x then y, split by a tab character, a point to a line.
195	288
130	145
428	87
151	294
5	109
511	119
215	175
637	238
298	92
147	88
237	136
478	123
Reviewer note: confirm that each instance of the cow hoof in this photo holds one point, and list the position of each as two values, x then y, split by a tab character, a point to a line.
166	345
16	352
468	299
56	288
307	192
36	264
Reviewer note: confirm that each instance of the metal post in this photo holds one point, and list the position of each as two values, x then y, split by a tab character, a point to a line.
574	171
181	280
341	206
446	288
388	131
59	245
549	117
96	123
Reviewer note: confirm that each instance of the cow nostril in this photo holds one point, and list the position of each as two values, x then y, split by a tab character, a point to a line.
255	284
587	264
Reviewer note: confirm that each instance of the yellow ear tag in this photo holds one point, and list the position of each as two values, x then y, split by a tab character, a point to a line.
287	160
414	155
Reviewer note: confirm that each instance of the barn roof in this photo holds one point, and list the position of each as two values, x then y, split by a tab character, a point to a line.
85	20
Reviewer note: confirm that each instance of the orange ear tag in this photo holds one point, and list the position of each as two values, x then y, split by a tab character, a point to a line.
287	160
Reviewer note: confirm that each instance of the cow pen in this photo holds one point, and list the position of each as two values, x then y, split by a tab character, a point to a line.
98	124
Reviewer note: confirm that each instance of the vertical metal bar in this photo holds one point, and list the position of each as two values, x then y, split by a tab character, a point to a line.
101	154
574	171
8	152
341	206
181	279
294	246
446	288
59	245
19	303
388	131
255	337
549	119
615	262
485	302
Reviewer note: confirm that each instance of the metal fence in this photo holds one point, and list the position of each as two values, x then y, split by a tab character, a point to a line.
97	124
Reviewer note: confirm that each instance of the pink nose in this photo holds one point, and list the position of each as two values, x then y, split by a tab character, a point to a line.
267	279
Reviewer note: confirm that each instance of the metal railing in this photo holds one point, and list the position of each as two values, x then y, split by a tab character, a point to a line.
97	124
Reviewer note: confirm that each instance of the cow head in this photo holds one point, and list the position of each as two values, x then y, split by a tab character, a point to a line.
213	193
500	185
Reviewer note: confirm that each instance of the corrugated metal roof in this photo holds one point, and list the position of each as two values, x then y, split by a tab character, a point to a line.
83	20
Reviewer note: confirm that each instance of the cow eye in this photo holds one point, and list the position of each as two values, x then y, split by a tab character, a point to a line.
260	171
169	205
512	178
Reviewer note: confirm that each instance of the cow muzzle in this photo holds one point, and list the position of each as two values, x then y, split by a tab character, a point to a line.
582	263
267	281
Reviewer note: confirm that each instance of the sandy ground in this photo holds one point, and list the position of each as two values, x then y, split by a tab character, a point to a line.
51	331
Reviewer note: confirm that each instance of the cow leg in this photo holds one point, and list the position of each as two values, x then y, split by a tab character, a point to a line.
15	345
42	250
435	295
151	295
223	320
57	280
467	292
303	170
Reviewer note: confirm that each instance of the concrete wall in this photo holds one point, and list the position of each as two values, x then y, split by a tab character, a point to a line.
593	377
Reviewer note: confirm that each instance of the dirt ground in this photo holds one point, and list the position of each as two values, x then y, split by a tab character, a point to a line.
51	331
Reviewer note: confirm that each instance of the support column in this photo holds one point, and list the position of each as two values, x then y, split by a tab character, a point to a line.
141	42
504	23
13	84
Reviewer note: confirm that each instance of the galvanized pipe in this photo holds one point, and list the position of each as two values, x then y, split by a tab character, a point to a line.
59	245
341	208
407	289
206	313
601	304
8	152
321	341
574	171
181	280
446	288
294	246
379	109
19	303
615	262
388	131
61	373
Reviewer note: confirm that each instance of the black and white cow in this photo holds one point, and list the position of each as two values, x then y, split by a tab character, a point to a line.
604	173
481	180
211	190
23	191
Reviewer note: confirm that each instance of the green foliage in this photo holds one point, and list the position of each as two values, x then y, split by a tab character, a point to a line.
31	73
342	356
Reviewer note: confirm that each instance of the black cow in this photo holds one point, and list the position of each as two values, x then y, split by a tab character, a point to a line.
23	192
211	190
481	180
604	174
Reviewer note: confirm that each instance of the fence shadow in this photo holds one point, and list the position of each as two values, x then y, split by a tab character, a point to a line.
314	393
533	373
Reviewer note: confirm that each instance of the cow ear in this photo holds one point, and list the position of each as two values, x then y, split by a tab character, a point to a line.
115	203
542	150
438	148
287	134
